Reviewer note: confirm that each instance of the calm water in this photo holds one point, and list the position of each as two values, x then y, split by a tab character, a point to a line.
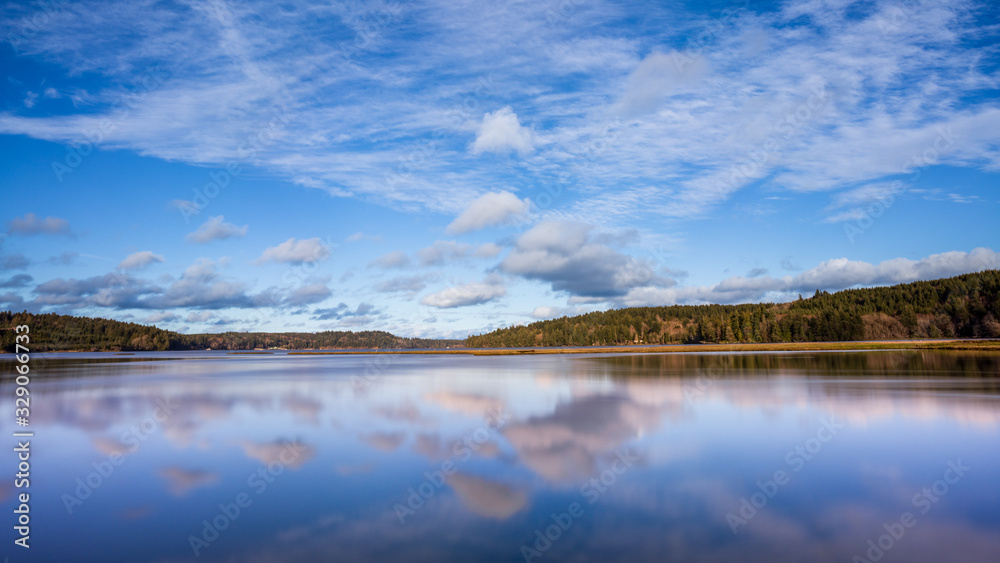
708	457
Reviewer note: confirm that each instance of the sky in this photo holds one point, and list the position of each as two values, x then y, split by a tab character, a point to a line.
439	169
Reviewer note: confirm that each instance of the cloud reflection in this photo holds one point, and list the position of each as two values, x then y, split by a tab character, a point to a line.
181	481
384	441
466	403
282	452
566	445
487	498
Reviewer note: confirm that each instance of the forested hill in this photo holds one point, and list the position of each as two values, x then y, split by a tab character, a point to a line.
962	306
51	332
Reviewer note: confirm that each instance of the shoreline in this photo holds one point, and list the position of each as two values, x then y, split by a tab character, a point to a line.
956	344
943	344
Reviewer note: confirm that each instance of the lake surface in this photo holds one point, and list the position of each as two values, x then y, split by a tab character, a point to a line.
683	457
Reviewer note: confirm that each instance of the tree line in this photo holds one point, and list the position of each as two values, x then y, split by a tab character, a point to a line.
50	332
961	306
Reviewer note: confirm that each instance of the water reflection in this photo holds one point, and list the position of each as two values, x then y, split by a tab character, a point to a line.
476	458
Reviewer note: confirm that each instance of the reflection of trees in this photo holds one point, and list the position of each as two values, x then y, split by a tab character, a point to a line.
971	371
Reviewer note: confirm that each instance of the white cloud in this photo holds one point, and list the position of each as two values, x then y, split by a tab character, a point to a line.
549	312
564	255
139	260
200	286
489	209
411	284
394	259
216	229
30	224
501	132
199	316
160	317
308	294
884	193
359	236
296	252
848	215
546	312
488	250
658	76
474	293
362	313
442	251
866	194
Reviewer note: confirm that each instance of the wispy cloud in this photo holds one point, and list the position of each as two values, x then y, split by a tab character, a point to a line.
690	121
308	294
342	311
411	284
394	259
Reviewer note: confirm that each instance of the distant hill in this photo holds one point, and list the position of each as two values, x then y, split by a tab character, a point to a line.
962	306
52	332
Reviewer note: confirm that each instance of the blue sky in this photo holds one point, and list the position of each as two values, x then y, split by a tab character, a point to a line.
436	169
